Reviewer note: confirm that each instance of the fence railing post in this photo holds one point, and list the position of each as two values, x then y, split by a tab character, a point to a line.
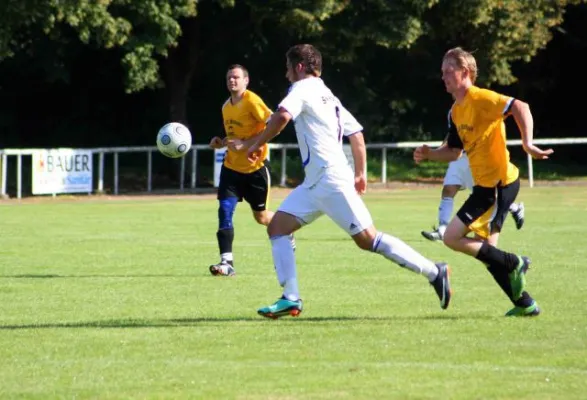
194	168
4	167
19	176
101	172
115	172
384	165
181	173
283	179
530	171
149	171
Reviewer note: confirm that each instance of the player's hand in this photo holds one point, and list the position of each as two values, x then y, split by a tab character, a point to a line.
361	184
253	153
421	153
235	144
216	143
536	152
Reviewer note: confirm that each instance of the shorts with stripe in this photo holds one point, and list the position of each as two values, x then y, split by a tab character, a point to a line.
254	187
486	209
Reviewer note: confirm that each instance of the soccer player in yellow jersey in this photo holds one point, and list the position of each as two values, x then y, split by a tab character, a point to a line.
476	125
245	116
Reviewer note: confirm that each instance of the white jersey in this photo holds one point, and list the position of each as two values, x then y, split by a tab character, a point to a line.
320	122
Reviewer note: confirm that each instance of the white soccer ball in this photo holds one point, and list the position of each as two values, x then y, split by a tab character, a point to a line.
174	140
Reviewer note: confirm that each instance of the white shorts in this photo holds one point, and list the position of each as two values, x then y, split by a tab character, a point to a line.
333	196
459	173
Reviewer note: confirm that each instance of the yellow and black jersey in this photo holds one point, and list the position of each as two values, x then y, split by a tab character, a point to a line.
477	126
243	120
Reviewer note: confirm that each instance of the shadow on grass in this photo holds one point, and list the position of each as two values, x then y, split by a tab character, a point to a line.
184	322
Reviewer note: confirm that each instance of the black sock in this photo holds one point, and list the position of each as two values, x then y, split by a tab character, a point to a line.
225	238
501	277
525	301
491	255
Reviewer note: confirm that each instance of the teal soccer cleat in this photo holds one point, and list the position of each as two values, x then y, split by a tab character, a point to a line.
281	308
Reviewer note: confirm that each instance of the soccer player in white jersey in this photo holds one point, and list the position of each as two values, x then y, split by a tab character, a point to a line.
458	177
329	186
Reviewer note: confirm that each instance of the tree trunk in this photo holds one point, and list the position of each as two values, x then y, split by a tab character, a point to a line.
179	69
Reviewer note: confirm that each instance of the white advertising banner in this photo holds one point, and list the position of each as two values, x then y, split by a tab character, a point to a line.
219	160
62	171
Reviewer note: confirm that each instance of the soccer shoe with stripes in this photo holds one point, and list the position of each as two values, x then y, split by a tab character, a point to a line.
518	278
281	308
433	236
441	285
223	268
518	216
531	311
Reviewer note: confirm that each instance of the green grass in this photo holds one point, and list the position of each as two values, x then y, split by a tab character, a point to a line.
112	299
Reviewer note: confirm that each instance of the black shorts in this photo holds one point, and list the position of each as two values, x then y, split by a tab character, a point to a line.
486	209
253	187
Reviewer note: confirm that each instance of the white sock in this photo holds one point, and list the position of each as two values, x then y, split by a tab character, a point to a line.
514	207
445	210
285	266
226	257
400	253
441	229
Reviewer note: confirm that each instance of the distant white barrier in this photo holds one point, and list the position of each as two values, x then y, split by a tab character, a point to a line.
101	151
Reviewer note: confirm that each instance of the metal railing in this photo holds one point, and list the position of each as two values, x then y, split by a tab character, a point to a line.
116	151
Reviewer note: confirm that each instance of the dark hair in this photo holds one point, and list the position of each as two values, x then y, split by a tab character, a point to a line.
235	66
308	56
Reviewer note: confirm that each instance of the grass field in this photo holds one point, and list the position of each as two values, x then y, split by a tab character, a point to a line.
112	299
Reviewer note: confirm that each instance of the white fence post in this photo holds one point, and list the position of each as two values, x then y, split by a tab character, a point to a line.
283	179
530	171
19	176
101	172
194	168
3	177
115	172
181	173
384	165
149	171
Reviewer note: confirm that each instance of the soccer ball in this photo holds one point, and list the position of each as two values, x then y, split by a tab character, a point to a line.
174	140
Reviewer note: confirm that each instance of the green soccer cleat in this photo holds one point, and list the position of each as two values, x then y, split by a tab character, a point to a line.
518	278
281	308
531	311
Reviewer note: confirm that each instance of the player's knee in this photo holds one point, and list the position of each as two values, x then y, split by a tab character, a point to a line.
450	190
364	240
226	211
262	217
451	241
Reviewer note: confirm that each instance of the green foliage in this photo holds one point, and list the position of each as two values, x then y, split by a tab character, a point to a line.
142	29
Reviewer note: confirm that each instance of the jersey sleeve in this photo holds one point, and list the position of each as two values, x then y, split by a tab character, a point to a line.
350	125
453	140
493	104
293	103
259	110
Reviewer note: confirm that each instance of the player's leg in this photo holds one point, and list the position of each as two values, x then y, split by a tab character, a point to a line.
228	197
517	212
256	191
445	209
457	177
296	210
346	208
481	213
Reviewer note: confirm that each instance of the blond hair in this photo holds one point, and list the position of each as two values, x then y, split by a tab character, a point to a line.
463	59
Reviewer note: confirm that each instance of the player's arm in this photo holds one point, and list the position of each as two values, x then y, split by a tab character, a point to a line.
450	150
523	117
276	124
357	142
